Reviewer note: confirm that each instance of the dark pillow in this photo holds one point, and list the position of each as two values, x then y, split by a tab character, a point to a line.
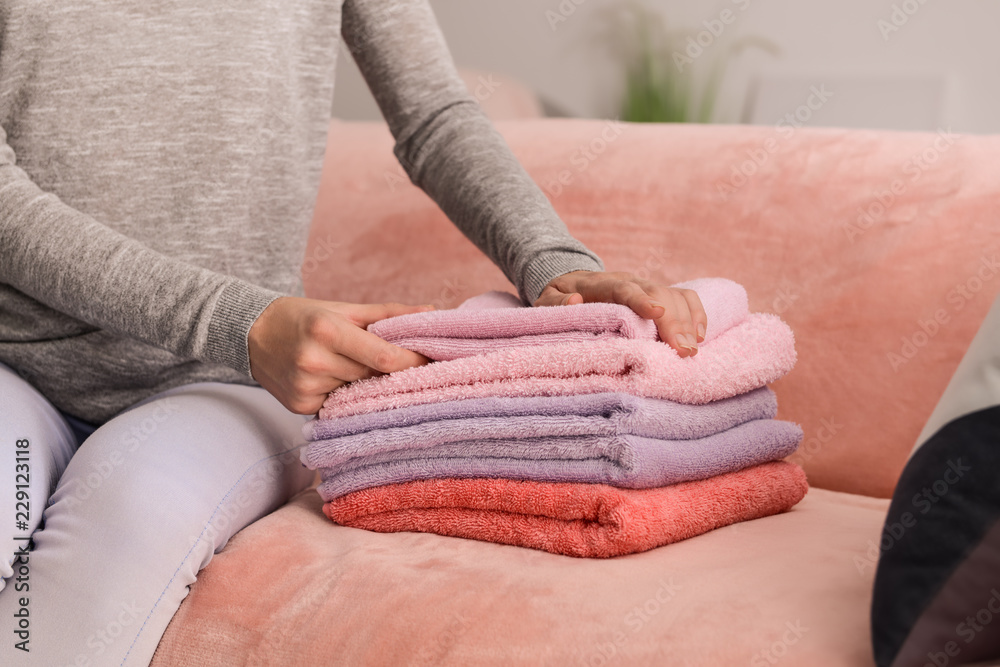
937	587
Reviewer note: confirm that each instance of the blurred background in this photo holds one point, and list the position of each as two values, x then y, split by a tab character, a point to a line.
885	64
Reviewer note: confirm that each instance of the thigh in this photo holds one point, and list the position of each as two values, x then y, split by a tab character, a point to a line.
36	444
141	508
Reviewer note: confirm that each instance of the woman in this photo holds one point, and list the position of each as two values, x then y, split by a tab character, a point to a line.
158	169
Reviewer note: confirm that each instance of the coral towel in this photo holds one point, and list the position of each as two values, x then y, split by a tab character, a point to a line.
585	520
749	355
497	320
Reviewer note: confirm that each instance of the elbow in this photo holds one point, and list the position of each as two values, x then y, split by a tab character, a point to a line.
430	132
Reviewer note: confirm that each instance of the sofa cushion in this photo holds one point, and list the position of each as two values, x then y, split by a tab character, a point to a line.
879	249
296	589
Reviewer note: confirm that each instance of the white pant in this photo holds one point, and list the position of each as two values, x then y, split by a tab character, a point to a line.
130	515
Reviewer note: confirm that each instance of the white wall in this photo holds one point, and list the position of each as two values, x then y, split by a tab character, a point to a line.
840	41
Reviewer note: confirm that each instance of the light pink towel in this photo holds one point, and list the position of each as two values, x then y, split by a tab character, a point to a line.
496	321
750	355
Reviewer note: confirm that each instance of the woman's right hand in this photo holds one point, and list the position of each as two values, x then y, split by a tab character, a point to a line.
302	349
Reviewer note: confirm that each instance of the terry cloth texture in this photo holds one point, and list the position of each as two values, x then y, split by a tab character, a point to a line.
627	461
750	355
493	321
585	520
541	416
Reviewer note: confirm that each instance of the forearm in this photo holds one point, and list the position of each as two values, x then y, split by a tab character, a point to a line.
464	164
450	148
74	264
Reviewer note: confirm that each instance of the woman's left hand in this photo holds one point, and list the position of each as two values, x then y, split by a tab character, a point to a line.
680	318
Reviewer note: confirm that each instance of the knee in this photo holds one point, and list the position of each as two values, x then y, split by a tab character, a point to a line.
198	464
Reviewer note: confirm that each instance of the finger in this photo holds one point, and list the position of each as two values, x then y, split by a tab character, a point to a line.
668	311
550	296
365	314
698	315
305	393
680	329
666	325
305	405
375	353
343	369
627	293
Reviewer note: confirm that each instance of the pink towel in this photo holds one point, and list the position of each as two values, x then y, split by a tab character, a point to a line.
585	520
749	355
496	321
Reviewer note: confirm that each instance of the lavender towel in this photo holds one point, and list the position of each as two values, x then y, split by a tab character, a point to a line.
497	320
336	441
628	461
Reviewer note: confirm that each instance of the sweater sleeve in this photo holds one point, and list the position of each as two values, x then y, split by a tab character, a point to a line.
71	262
451	150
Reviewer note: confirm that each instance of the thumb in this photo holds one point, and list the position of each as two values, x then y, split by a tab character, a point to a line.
552	296
367	313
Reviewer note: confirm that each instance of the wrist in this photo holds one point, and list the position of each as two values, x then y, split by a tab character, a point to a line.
546	267
238	308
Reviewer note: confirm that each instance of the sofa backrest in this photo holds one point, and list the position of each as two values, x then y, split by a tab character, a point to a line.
879	249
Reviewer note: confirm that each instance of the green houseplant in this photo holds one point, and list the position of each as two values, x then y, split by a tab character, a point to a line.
661	66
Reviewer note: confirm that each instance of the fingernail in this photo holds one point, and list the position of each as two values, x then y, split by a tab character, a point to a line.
427	307
657	304
701	331
691	341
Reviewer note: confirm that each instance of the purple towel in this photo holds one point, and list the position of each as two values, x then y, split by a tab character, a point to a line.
337	441
628	461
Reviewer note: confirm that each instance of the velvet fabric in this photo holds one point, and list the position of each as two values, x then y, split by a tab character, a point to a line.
874	247
293	589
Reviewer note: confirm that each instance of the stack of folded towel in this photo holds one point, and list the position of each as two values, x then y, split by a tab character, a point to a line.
571	429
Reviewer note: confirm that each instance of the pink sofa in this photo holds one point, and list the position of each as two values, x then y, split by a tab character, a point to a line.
878	250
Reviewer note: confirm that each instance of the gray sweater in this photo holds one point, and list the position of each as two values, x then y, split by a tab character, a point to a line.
159	163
